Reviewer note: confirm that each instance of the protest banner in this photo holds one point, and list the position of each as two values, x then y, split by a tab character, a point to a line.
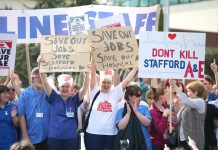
77	24
113	21
177	55
115	47
29	25
7	53
64	53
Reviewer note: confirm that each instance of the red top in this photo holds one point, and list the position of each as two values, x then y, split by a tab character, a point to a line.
158	126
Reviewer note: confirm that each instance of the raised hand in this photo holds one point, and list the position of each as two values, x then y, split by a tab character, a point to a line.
166	147
166	112
213	66
91	47
40	59
192	143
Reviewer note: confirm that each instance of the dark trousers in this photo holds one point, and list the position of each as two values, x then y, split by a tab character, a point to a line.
62	144
99	142
157	147
41	146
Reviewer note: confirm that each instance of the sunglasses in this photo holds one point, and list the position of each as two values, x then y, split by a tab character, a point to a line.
138	95
11	90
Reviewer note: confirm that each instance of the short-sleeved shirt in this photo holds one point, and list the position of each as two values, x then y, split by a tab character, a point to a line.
30	104
7	129
144	110
104	110
211	96
63	121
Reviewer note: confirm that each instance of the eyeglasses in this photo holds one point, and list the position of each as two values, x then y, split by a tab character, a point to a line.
106	82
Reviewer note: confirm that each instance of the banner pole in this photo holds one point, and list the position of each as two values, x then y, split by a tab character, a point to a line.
28	62
166	15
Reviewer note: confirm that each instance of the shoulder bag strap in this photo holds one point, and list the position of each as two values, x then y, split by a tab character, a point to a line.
87	119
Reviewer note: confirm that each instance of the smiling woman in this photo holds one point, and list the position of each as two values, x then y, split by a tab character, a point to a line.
101	134
64	119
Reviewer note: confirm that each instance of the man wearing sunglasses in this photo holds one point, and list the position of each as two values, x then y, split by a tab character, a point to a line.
12	94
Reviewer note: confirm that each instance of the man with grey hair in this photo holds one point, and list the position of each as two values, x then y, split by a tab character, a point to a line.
34	112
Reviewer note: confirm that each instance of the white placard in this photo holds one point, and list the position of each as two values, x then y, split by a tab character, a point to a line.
7	53
176	55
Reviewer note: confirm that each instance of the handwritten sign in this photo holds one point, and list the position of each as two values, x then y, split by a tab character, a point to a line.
77	24
7	53
65	53
115	47
172	55
113	21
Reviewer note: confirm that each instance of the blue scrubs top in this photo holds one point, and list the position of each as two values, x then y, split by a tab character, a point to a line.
30	104
63	121
7	129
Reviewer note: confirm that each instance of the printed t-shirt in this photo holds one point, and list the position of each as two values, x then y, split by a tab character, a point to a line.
104	110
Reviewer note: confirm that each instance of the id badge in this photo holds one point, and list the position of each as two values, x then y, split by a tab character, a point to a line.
39	115
70	114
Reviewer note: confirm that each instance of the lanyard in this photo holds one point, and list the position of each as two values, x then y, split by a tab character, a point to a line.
67	105
39	100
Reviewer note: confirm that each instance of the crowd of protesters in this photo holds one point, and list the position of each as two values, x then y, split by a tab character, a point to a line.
46	116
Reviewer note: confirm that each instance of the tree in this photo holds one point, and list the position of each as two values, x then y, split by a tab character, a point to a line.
62	3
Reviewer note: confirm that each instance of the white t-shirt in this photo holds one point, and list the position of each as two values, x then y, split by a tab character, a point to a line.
104	110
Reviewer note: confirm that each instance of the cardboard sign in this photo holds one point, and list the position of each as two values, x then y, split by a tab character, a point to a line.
7	53
115	47
65	53
175	55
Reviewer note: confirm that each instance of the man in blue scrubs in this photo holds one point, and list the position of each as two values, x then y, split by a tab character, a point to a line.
34	113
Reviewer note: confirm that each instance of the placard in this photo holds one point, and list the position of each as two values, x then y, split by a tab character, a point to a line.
65	53
115	47
7	53
177	55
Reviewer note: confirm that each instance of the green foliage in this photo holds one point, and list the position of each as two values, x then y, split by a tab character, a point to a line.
21	63
62	3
